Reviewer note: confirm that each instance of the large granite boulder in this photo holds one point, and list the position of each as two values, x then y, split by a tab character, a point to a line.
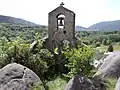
17	77
82	83
117	86
110	66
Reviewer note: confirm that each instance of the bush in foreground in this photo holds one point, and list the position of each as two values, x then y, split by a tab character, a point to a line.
79	61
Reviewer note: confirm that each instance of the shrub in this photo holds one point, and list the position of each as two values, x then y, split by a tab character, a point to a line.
57	84
109	42
20	51
79	61
97	44
110	48
104	42
4	45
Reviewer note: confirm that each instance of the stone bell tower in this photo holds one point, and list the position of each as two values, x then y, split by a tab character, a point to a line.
61	26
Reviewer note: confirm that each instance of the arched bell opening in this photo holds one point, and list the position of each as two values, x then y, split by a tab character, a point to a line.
60	21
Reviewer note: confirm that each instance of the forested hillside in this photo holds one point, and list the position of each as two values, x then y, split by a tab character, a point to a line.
106	26
13	30
102	26
12	20
24	44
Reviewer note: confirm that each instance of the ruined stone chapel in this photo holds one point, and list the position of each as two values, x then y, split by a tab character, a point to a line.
61	26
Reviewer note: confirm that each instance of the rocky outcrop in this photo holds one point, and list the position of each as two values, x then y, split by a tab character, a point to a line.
17	77
82	83
110	66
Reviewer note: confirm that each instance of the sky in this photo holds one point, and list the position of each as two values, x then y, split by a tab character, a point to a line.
88	12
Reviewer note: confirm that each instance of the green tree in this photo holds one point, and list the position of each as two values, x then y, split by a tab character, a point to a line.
30	55
104	42
110	48
79	61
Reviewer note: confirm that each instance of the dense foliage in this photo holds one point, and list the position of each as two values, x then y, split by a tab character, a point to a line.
10	31
79	61
97	38
21	51
27	49
110	48
24	44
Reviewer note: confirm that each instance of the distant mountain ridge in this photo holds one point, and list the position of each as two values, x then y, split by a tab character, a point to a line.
102	26
9	19
107	25
80	28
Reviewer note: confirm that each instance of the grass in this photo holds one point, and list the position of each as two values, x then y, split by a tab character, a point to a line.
116	47
111	82
105	47
102	48
57	84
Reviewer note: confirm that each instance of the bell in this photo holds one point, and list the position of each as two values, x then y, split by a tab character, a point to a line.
61	23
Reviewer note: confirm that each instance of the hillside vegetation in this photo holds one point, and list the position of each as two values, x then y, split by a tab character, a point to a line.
106	26
102	26
24	44
12	20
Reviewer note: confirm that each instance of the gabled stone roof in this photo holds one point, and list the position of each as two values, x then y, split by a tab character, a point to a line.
61	7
